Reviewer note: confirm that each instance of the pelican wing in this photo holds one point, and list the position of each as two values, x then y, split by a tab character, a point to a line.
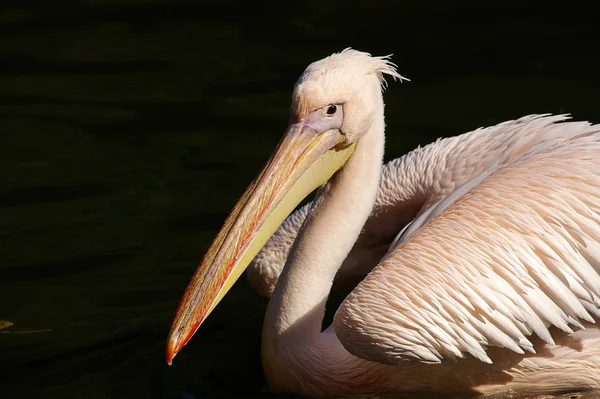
437	208
515	255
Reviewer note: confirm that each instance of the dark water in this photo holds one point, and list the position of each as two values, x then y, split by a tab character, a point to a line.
129	128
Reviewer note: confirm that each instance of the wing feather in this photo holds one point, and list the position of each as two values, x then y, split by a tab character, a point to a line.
506	258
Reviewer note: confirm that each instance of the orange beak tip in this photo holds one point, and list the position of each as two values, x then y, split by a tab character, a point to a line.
171	353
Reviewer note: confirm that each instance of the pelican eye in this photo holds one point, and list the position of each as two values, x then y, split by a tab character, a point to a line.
331	110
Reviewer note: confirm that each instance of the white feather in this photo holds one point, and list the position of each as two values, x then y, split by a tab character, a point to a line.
540	257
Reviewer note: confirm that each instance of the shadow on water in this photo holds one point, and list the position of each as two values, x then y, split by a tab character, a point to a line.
129	128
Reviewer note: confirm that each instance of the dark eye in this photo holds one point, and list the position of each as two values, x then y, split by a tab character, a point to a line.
331	110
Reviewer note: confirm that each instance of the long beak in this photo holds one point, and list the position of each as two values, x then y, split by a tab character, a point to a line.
303	160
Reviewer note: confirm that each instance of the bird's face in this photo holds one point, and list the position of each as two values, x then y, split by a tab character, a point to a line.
340	98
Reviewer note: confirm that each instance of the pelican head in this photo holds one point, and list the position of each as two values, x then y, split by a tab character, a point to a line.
350	80
333	104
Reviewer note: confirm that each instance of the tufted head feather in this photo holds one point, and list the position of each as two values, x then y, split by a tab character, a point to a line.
350	78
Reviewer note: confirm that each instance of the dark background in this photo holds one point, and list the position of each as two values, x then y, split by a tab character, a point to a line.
129	128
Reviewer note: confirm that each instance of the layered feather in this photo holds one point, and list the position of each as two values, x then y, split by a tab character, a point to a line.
513	256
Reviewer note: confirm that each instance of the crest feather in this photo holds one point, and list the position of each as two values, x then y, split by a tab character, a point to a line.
381	65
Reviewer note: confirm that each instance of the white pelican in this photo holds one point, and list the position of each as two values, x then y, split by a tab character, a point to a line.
495	288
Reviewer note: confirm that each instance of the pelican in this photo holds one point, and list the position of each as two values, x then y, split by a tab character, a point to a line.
493	288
